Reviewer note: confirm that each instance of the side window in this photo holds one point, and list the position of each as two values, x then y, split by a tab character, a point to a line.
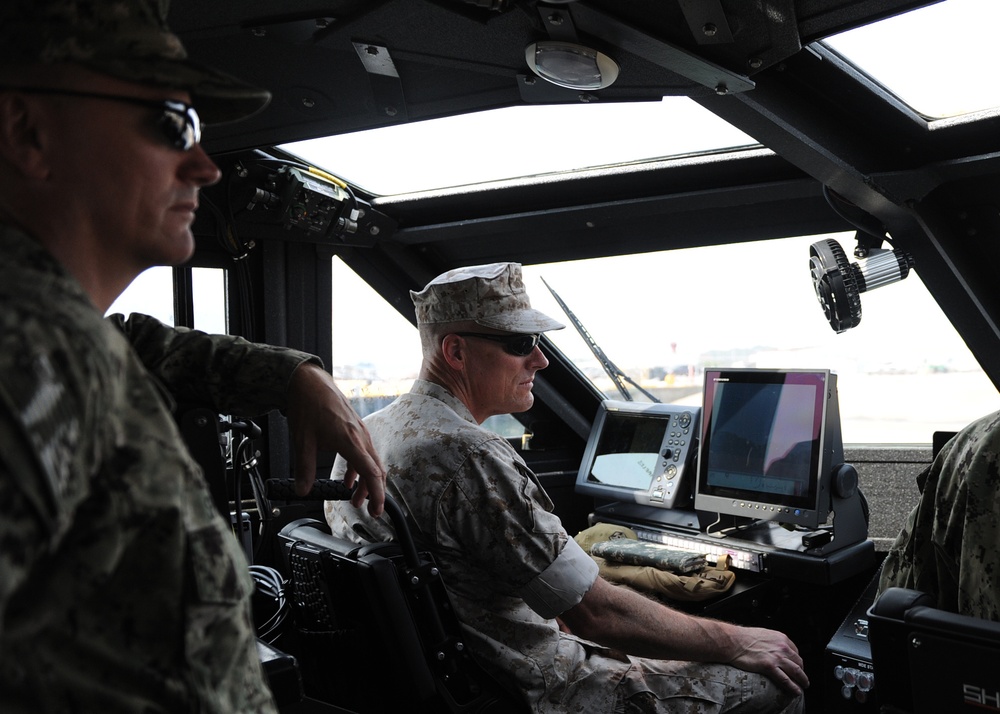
152	293
208	286
376	351
505	425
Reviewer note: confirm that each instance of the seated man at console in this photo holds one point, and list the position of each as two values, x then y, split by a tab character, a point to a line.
949	547
507	562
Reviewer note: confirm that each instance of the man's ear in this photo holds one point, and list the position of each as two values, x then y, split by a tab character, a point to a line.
453	351
22	135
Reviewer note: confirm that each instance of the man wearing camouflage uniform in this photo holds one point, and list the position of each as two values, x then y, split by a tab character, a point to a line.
950	545
122	589
509	566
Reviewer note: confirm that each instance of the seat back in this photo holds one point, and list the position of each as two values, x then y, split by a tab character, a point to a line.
929	661
374	630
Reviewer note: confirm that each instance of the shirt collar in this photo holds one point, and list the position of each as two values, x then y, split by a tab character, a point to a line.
436	391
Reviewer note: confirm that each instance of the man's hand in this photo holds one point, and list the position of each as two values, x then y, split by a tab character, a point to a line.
629	621
772	654
320	417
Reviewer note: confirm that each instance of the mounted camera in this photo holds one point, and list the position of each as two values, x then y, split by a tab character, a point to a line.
839	283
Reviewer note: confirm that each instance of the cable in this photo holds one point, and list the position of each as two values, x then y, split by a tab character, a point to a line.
271	584
859	218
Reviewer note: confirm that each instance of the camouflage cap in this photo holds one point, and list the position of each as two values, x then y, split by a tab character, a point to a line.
128	39
490	295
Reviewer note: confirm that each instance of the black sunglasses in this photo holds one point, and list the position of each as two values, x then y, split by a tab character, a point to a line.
178	121
520	345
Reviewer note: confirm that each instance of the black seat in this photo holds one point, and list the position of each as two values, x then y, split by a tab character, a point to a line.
374	630
930	661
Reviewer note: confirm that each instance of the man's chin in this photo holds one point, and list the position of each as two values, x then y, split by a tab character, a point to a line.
181	248
524	404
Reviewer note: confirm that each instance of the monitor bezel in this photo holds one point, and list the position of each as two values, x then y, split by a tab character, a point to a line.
809	511
610	409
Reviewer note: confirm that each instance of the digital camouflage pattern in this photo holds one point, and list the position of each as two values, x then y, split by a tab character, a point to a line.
121	587
490	295
489	524
949	547
128	39
636	552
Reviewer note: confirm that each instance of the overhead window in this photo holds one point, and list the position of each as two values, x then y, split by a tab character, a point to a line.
476	148
938	59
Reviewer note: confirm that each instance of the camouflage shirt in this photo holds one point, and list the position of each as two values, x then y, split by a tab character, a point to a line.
121	587
508	564
950	544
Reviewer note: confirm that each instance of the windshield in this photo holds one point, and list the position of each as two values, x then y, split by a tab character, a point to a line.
662	318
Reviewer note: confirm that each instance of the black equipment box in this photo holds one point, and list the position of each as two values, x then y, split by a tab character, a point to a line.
849	675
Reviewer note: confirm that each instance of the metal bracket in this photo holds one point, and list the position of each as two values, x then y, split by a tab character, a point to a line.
679	61
387	89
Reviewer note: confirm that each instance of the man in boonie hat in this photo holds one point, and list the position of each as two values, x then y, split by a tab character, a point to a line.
121	586
482	313
516	580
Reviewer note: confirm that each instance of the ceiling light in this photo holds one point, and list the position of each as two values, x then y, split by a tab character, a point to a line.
571	65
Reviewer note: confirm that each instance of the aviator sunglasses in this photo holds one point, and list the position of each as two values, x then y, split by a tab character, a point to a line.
178	121
520	345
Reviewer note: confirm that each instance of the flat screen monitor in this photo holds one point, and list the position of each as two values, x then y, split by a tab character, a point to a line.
642	453
770	440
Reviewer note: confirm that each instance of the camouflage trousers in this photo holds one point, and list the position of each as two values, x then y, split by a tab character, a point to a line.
660	686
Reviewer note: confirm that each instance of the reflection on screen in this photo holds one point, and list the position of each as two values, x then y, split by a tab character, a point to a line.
626	470
764	444
628	451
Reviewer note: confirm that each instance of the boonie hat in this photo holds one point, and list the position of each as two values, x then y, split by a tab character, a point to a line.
128	39
490	295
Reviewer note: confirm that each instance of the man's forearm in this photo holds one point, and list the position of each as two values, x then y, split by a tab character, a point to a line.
623	619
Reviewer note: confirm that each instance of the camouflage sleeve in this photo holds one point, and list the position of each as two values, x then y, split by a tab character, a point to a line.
55	394
948	546
499	515
27	513
224	372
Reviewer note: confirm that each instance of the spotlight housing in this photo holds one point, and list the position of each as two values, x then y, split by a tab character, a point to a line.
839	283
571	65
